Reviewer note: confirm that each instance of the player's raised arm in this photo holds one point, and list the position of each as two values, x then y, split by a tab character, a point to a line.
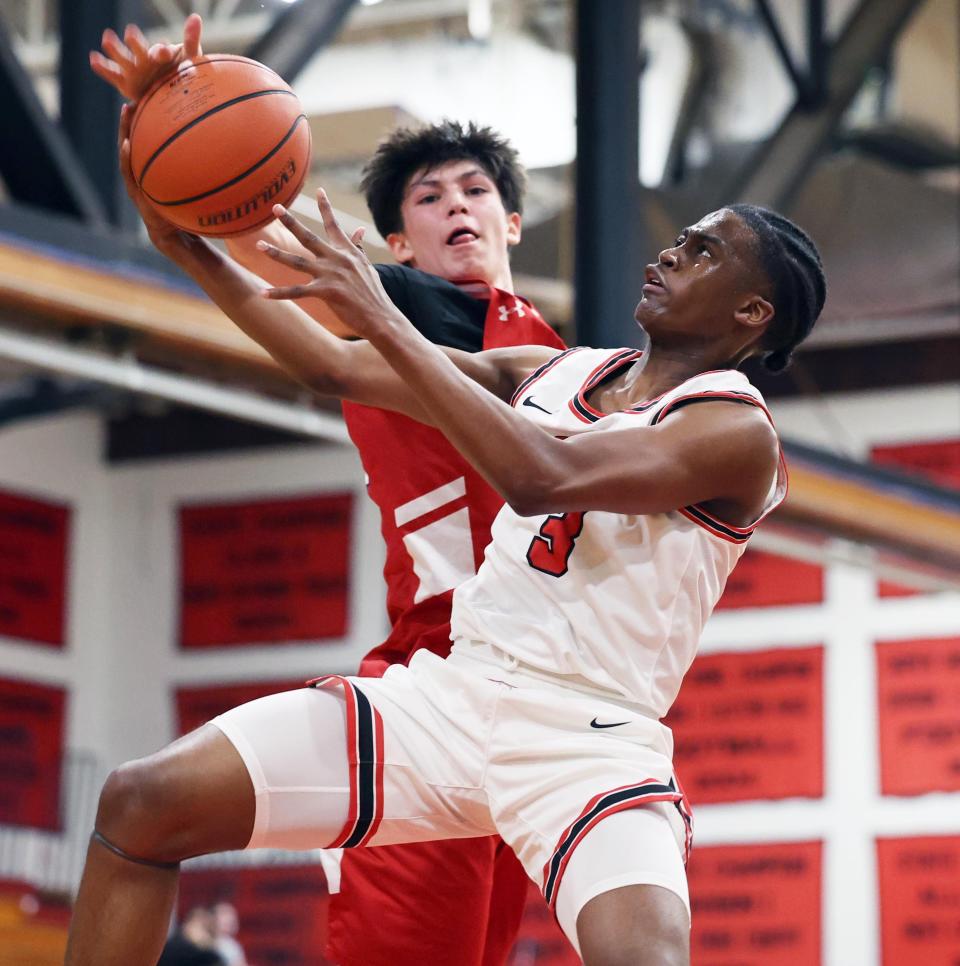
715	455
322	362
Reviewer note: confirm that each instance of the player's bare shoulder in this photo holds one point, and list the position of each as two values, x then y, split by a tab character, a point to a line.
733	446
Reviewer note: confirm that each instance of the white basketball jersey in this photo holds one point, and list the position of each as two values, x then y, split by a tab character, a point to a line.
615	601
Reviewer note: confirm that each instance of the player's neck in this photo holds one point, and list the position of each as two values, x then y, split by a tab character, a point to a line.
502	279
661	369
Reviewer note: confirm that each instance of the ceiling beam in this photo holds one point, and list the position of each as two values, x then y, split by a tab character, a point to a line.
90	108
37	162
779	166
298	33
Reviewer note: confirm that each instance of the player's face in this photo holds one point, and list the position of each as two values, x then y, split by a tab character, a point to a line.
455	225
702	282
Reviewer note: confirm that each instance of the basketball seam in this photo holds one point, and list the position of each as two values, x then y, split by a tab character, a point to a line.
186	127
191	65
232	181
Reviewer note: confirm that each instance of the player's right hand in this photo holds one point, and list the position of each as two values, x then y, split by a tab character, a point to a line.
162	233
132	67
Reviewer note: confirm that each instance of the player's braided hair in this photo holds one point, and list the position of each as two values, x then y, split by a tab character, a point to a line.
409	150
792	263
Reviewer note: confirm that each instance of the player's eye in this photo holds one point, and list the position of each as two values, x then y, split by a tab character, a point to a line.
426	199
680	239
477	189
702	249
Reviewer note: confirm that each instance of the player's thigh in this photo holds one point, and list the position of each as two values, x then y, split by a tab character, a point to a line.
406	905
294	747
624	891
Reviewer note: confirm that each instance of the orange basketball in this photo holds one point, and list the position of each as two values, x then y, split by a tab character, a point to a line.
217	144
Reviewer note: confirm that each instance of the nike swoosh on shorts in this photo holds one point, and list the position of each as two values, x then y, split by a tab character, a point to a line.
612	724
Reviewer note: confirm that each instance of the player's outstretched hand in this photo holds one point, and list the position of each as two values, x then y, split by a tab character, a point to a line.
132	67
339	271
162	233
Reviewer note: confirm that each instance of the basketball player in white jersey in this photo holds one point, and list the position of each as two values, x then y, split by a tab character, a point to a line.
632	482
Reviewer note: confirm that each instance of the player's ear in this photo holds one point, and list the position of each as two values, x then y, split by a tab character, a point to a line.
401	248
754	311
513	228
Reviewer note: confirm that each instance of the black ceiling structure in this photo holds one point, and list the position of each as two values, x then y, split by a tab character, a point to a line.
834	74
65	189
37	160
612	242
298	33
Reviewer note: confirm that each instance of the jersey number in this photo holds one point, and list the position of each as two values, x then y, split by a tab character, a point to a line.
550	550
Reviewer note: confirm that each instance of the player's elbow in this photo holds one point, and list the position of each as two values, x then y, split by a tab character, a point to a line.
531	496
325	383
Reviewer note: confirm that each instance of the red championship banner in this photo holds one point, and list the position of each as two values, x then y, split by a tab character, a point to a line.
919	900
938	461
197	705
768	580
756	905
265	572
750	726
34	537
918	698
281	910
31	754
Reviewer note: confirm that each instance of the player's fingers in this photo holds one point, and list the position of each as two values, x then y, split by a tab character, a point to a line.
135	41
311	241
334	232
126	114
162	53
294	260
105	68
192	33
126	172
115	48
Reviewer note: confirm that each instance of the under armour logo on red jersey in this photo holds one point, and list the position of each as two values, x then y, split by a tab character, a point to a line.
516	307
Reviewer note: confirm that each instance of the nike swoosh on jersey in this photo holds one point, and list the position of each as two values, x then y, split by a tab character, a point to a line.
528	401
612	724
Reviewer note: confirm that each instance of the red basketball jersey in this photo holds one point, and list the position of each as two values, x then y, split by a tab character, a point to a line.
435	509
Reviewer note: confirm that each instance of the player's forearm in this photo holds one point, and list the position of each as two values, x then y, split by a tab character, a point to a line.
519	460
305	350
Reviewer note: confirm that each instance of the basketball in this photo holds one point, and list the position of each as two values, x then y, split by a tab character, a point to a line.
216	145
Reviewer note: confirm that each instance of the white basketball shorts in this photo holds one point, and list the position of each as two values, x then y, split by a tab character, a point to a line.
580	787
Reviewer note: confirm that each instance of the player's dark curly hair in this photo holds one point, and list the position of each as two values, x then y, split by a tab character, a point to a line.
792	263
409	150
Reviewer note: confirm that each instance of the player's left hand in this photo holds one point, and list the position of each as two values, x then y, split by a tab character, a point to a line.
340	272
132	66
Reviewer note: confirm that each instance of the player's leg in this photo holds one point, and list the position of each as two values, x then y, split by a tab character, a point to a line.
271	772
193	797
623	896
406	905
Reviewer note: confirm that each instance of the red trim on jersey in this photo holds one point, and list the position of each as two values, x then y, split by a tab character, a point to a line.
695	512
578	403
539	373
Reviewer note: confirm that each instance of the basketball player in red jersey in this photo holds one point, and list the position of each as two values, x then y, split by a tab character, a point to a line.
447	200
